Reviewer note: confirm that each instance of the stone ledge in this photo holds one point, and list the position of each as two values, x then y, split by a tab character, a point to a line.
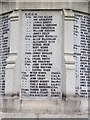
28	115
68	106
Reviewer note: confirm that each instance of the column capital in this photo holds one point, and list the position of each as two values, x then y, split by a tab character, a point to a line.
15	15
68	14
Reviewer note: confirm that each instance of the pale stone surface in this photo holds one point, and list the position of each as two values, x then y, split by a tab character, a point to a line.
81	60
9	84
13	61
69	66
69	107
42	106
48	45
24	115
0	8
81	5
8	6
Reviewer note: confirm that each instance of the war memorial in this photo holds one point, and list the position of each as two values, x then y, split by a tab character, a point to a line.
44	59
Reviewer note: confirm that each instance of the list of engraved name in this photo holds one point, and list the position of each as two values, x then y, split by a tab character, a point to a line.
43	80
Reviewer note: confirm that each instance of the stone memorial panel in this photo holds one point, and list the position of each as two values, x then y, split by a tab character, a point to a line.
41	56
4	48
82	54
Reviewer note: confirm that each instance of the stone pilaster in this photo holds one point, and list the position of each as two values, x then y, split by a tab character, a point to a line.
12	81
69	63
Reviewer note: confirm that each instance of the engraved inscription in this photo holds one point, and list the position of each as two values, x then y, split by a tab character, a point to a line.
4	49
82	54
41	71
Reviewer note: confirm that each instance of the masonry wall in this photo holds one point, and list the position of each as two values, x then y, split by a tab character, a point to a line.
68	105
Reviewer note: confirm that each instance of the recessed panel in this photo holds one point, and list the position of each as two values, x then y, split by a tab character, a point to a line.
41	54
